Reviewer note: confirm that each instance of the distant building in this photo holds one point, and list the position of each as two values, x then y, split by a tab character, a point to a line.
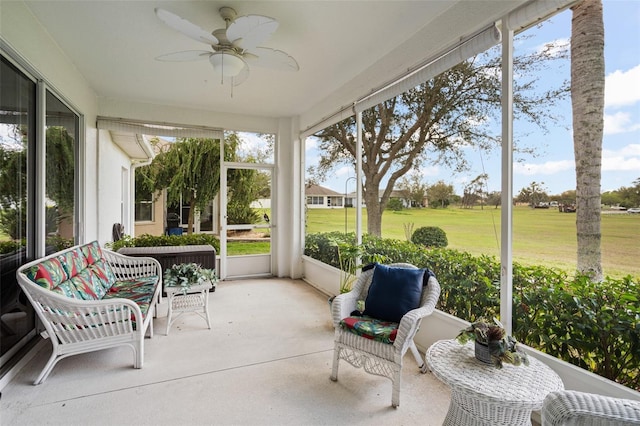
319	197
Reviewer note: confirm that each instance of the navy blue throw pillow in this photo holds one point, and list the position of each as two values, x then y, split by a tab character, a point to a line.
393	292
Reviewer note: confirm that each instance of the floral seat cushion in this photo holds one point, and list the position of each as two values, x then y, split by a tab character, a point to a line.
140	290
371	328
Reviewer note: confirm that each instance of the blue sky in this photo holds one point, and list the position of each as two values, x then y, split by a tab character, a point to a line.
553	164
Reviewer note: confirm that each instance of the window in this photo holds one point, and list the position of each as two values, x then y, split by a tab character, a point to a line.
32	199
144	199
144	211
315	200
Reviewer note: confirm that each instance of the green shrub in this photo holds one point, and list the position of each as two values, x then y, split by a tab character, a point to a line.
10	246
592	325
395	204
55	241
430	236
147	240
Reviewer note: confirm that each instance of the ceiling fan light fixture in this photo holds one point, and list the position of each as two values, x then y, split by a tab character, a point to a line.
226	64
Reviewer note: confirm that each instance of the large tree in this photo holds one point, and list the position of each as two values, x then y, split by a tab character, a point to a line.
587	99
189	169
433	122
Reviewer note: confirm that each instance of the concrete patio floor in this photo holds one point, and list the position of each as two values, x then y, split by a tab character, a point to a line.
265	361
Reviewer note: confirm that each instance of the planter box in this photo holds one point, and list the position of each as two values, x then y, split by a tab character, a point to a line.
324	277
204	255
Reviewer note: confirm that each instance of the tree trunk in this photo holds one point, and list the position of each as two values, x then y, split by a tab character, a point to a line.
587	98
192	210
374	214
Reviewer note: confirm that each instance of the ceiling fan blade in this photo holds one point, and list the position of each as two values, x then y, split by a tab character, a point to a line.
271	58
185	27
185	56
247	32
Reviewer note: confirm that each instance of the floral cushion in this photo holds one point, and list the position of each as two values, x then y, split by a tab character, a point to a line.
73	262
103	272
371	328
89	285
48	274
67	288
139	290
92	252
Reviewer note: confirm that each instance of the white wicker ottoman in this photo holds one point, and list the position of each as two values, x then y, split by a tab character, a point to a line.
481	394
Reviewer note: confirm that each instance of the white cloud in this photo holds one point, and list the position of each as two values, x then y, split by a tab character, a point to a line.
622	88
344	171
429	171
624	159
310	143
547	168
619	122
554	48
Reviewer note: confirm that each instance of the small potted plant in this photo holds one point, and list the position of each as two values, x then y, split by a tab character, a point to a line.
186	275
492	345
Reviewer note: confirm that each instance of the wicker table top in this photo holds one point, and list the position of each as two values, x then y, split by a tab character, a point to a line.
178	289
524	386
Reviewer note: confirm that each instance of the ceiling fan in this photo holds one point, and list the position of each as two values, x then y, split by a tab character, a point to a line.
234	48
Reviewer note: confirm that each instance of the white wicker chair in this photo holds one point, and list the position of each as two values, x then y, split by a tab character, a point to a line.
379	358
572	408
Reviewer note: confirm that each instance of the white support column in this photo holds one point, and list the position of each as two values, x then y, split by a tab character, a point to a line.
359	178
41	170
506	223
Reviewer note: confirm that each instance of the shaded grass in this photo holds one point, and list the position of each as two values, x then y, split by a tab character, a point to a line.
540	236
238	248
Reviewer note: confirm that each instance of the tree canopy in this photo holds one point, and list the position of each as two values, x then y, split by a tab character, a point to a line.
189	169
433	122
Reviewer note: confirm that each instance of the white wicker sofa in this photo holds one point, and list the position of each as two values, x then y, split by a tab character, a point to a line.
90	299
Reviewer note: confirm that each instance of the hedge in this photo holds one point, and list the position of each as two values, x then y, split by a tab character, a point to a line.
147	240
592	325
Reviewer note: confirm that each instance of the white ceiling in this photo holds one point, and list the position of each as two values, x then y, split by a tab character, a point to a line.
344	49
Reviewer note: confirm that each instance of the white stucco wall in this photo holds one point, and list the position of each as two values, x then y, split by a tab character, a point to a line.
111	163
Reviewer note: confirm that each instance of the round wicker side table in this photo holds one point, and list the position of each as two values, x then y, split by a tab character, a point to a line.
481	394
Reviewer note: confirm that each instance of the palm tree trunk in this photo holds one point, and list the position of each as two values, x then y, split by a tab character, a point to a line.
587	97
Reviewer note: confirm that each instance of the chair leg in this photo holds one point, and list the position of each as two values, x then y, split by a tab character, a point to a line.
138	352
395	393
336	360
417	356
47	368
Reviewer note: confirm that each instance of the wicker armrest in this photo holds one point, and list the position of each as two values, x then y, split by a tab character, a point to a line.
130	267
579	408
342	306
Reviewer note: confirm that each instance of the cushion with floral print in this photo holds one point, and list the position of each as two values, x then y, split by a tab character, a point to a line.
371	328
73	262
104	273
140	290
92	252
48	274
68	288
88	285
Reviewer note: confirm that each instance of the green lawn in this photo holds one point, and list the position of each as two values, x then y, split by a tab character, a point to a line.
540	236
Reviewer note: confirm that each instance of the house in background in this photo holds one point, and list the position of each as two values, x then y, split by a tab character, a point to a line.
319	197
